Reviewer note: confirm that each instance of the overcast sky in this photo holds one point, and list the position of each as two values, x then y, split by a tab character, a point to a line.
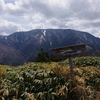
25	15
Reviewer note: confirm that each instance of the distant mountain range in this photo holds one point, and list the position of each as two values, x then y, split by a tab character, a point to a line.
21	47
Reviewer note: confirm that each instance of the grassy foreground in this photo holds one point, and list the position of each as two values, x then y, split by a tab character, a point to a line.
51	81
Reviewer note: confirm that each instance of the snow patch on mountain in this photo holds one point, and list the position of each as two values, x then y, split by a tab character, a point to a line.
42	39
44	32
6	38
50	43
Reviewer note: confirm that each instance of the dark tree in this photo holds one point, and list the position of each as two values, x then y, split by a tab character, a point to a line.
42	56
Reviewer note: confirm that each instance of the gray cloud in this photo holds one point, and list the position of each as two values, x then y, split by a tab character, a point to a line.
1	6
76	14
8	27
96	24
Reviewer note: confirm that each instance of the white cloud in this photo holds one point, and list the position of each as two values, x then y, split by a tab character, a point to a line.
36	26
30	14
37	18
26	17
93	31
7	28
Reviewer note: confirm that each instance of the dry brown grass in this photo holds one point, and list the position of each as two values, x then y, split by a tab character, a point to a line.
97	96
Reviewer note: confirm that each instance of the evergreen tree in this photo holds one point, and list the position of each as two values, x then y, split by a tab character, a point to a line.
42	56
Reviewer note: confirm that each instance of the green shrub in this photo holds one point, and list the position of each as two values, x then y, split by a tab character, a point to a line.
35	83
87	61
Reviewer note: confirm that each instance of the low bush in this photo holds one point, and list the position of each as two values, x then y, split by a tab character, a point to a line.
34	81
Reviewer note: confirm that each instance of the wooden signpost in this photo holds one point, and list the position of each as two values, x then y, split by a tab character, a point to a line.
69	52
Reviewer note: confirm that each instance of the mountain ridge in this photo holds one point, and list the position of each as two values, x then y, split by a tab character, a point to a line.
28	43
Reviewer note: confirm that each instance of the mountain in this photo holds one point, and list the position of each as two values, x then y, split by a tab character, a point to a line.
21	47
10	56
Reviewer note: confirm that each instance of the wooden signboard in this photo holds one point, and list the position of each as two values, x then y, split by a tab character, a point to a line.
69	52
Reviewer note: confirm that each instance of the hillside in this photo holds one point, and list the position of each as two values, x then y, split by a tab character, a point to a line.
27	44
10	56
51	81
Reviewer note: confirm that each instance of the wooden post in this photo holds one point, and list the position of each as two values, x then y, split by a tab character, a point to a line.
69	52
71	68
